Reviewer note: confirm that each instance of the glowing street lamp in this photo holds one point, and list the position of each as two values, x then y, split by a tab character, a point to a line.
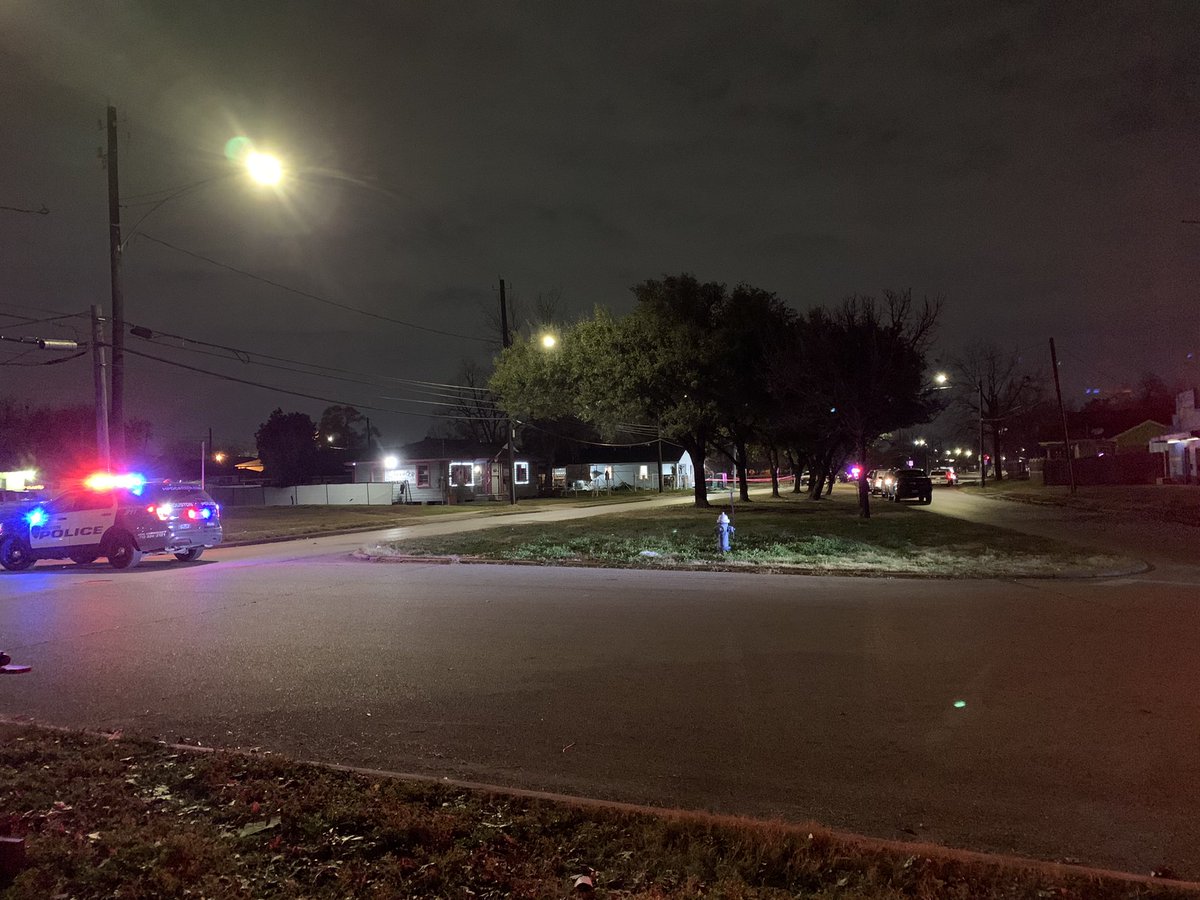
265	168
941	378
390	462
549	341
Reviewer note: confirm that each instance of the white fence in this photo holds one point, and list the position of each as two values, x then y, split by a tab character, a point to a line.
370	493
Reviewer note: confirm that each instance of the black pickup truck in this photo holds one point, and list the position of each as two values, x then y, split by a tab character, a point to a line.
908	484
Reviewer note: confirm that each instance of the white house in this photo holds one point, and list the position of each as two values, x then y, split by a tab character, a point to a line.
626	468
1182	444
438	470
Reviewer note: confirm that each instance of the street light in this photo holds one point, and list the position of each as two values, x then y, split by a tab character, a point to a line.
549	341
265	168
941	378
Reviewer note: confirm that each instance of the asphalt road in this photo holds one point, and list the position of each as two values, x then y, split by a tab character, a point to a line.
820	698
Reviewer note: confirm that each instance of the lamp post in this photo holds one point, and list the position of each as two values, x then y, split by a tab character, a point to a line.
262	167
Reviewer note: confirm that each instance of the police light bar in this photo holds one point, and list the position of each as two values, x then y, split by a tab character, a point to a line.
103	481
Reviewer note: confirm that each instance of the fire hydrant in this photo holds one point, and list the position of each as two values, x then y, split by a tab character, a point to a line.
724	532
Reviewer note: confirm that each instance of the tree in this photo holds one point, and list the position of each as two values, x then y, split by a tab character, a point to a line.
1008	386
751	319
473	414
861	369
287	446
659	365
348	427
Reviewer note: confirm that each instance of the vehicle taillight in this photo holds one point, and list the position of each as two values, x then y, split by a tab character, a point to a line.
164	512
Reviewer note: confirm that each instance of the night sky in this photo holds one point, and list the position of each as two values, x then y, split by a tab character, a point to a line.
1030	162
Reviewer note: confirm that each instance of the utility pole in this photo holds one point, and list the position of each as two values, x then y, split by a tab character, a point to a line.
660	484
506	341
1063	414
982	463
117	411
203	454
101	389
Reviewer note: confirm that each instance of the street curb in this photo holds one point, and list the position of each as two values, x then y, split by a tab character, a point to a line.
743	570
1001	860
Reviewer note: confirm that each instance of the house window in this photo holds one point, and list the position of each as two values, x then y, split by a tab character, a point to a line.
644	473
423	476
522	469
462	474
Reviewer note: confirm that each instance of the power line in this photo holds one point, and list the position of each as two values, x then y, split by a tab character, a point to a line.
317	297
245	356
36	212
276	388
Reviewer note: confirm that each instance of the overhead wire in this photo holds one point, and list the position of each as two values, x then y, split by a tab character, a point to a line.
317	297
306	396
246	357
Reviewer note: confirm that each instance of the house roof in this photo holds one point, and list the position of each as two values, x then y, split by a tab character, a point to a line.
636	453
1159	425
449	448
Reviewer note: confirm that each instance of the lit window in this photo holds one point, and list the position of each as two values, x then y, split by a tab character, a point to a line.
423	476
522	473
462	474
644	473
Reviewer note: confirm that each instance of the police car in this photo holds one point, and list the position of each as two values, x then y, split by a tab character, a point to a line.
119	517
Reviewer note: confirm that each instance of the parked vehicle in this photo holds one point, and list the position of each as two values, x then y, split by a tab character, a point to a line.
945	475
908	484
118	517
875	480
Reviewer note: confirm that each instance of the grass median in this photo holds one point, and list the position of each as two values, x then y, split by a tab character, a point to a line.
789	534
140	820
260	523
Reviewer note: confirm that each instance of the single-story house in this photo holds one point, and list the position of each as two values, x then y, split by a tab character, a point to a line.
598	468
437	470
1182	443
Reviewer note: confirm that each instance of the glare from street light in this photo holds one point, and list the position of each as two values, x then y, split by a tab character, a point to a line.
548	341
390	462
264	168
941	377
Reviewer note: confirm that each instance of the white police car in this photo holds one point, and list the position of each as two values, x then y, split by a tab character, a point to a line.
120	517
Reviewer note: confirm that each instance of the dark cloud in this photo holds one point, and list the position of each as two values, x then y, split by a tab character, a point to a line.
1029	161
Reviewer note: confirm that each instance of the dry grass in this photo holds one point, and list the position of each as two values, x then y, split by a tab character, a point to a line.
785	535
1174	503
259	523
138	820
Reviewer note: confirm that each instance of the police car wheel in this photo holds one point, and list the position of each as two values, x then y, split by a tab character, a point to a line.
123	552
15	554
84	559
190	555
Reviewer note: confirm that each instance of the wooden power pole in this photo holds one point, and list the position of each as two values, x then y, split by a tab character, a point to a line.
506	342
116	415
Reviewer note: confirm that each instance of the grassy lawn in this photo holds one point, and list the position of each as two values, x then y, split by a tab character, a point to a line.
139	820
1176	503
257	523
790	534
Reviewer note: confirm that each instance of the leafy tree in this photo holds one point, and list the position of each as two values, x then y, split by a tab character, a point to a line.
287	446
348	427
861	370
660	364
751	320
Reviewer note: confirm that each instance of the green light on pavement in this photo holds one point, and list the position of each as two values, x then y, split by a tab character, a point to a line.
959	704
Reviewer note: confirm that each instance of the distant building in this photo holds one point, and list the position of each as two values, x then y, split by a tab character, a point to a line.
437	470
1182	443
635	467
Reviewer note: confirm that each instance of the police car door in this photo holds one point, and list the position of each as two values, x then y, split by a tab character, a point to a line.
75	519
